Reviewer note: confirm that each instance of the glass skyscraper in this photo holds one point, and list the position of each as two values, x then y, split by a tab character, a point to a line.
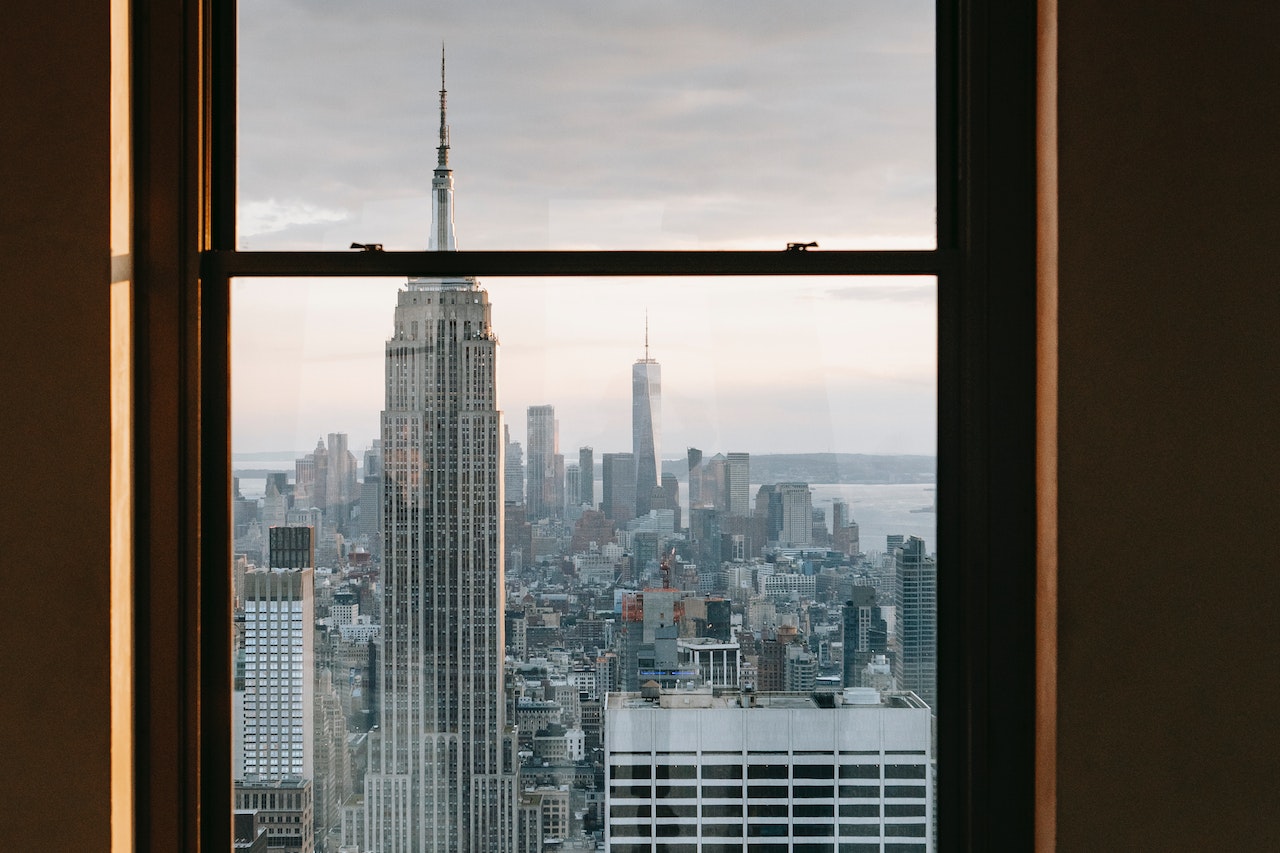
646	425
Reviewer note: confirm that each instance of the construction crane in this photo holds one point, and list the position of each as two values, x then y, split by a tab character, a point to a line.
665	568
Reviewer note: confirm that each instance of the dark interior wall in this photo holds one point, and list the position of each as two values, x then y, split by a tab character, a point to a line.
55	425
1169	299
1168	459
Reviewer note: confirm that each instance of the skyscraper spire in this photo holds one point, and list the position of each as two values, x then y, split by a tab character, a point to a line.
646	424
442	237
443	151
442	776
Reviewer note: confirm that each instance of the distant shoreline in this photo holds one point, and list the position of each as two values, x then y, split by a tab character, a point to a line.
850	468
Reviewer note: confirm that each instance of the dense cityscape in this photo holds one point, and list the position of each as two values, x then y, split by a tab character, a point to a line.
461	641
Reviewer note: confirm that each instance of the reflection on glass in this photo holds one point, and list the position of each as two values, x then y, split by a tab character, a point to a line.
722	125
620	623
488	622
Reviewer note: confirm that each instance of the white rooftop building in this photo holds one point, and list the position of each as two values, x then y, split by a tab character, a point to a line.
716	662
779	770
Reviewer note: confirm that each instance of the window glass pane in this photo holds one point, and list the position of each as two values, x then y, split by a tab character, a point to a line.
712	500
578	125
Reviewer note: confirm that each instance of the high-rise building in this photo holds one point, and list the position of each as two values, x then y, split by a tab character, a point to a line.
285	808
864	633
821	535
543	447
800	670
738	484
797	514
440	774
340	488
311	477
694	456
670	498
789	771
274	728
557	483
326	478
292	547
277	723
275	513
371	497
768	512
331	784
513	469
705	538
587	485
619	503
646	425
844	530
715	482
915	643
572	483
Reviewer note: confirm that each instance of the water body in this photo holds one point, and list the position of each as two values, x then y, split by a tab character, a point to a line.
881	509
253	488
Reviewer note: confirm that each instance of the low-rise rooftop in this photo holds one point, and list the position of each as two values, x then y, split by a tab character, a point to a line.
705	698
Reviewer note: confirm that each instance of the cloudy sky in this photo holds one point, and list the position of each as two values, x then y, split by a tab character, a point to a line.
588	125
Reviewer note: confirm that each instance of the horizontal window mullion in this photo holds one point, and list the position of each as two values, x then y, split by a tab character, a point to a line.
553	263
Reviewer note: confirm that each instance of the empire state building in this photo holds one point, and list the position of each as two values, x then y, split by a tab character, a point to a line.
441	777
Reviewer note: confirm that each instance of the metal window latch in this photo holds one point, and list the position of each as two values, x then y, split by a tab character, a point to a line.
367	247
794	247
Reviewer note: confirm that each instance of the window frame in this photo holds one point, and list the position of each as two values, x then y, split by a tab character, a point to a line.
184	213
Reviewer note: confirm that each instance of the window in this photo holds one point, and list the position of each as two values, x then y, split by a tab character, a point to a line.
982	258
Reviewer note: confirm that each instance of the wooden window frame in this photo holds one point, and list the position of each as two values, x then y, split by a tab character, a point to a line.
184	206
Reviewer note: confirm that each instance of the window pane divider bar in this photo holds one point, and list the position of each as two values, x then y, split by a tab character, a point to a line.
217	264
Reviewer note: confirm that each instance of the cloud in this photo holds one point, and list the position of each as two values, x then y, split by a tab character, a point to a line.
810	120
271	217
902	290
579	124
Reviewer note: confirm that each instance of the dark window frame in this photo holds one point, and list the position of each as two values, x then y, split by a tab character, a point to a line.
183	133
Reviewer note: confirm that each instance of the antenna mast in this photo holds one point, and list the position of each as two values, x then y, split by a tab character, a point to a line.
443	150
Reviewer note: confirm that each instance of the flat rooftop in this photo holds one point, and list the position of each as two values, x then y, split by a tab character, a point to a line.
705	699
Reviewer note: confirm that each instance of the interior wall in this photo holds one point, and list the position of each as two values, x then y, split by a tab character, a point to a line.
1168	304
55	430
1168	301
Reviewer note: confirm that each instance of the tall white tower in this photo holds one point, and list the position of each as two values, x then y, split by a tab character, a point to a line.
275	732
441	776
442	236
278	716
646	424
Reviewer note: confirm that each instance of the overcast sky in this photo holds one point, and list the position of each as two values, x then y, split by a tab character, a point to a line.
706	125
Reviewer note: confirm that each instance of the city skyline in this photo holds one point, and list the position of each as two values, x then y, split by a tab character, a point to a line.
864	380
445	765
611	130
